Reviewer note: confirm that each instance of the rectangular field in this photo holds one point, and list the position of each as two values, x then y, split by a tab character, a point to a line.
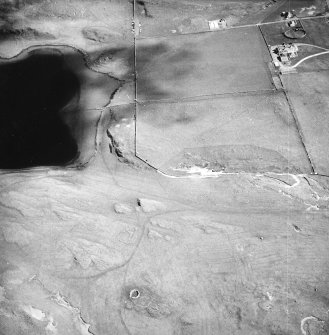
309	94
234	133
229	61
316	29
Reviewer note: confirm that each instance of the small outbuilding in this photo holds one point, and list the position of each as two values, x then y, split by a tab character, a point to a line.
217	24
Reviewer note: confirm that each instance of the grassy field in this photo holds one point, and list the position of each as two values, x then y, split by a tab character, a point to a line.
309	93
234	133
204	64
317	31
302	8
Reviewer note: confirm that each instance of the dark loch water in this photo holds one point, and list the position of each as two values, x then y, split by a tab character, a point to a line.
33	91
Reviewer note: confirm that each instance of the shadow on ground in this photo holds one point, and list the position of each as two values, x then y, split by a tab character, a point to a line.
47	93
33	93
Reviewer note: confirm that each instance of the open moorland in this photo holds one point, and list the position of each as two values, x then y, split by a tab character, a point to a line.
159	176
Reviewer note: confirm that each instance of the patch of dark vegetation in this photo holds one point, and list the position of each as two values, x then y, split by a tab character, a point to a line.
147	302
97	34
141	7
33	93
112	55
234	158
27	33
10	6
144	10
6	8
184	118
114	145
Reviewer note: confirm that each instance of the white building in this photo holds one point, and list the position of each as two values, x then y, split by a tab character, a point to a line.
217	24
